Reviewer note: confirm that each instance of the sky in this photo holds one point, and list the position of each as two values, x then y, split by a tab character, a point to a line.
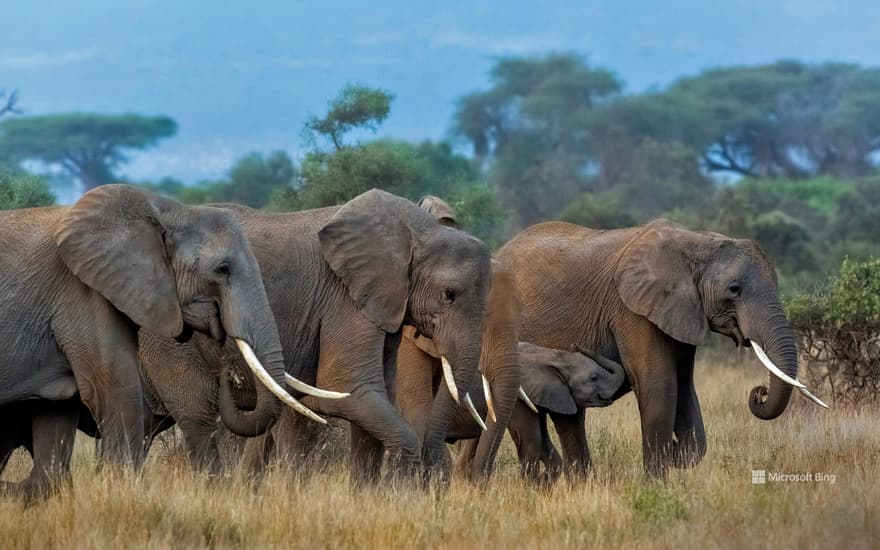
241	76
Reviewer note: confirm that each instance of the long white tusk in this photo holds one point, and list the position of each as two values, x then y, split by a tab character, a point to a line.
526	400
776	371
488	394
447	375
266	379
473	410
813	398
311	390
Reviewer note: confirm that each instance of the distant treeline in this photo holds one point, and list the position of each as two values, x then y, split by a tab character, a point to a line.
785	153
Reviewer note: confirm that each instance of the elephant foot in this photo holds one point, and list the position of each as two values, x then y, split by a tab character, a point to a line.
33	491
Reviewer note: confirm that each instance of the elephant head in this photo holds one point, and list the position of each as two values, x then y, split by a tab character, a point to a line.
173	269
690	283
563	381
400	265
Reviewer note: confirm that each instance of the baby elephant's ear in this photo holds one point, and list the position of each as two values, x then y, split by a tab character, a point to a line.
546	388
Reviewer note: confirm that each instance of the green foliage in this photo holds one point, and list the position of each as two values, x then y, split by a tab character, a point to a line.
354	107
655	503
23	190
88	146
851	299
838	327
531	129
253	181
402	168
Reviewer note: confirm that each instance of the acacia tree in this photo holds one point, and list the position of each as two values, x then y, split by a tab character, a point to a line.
530	129
88	146
355	107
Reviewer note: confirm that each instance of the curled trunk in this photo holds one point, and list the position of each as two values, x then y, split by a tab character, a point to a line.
773	333
246	315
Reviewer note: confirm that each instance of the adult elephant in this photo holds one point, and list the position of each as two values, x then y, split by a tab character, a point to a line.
647	297
76	284
419	394
420	390
342	281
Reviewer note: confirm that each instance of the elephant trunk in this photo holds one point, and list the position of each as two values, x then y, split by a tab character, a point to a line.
771	330
445	406
502	368
249	319
500	364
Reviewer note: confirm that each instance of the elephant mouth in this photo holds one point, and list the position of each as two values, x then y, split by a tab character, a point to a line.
728	326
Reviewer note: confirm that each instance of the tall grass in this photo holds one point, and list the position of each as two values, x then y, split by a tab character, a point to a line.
710	506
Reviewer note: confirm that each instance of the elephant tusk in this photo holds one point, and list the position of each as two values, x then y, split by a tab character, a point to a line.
488	394
447	376
525	399
813	398
266	379
301	386
469	404
776	371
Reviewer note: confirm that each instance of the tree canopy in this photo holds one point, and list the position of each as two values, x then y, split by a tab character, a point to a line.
356	106
91	147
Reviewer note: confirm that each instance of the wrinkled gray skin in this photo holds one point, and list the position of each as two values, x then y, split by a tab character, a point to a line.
421	392
342	281
78	282
561	384
647	297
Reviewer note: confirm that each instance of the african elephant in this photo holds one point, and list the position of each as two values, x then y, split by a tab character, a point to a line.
561	384
647	297
342	281
78	282
420	386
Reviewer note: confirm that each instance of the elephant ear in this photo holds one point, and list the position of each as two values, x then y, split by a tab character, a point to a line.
546	388
656	279
111	239
420	341
369	245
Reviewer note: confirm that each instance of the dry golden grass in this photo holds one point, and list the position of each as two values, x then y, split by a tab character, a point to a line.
713	505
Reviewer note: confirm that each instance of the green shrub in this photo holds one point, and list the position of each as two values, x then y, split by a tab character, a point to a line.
838	328
23	190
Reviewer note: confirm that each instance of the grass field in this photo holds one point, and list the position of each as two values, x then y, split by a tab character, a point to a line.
713	505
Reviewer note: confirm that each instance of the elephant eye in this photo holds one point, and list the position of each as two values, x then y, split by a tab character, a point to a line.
222	269
448	296
734	289
594	377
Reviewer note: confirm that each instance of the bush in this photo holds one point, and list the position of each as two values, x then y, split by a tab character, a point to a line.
838	329
23	190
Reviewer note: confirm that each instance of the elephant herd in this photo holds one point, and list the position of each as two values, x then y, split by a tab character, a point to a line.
127	313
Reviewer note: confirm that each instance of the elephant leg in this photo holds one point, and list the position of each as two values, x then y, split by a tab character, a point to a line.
657	408
573	437
467	450
651	361
295	437
525	430
257	453
53	433
351	359
200	436
690	433
549	455
366	457
101	350
16	431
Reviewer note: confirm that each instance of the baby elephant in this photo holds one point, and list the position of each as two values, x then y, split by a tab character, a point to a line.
561	384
